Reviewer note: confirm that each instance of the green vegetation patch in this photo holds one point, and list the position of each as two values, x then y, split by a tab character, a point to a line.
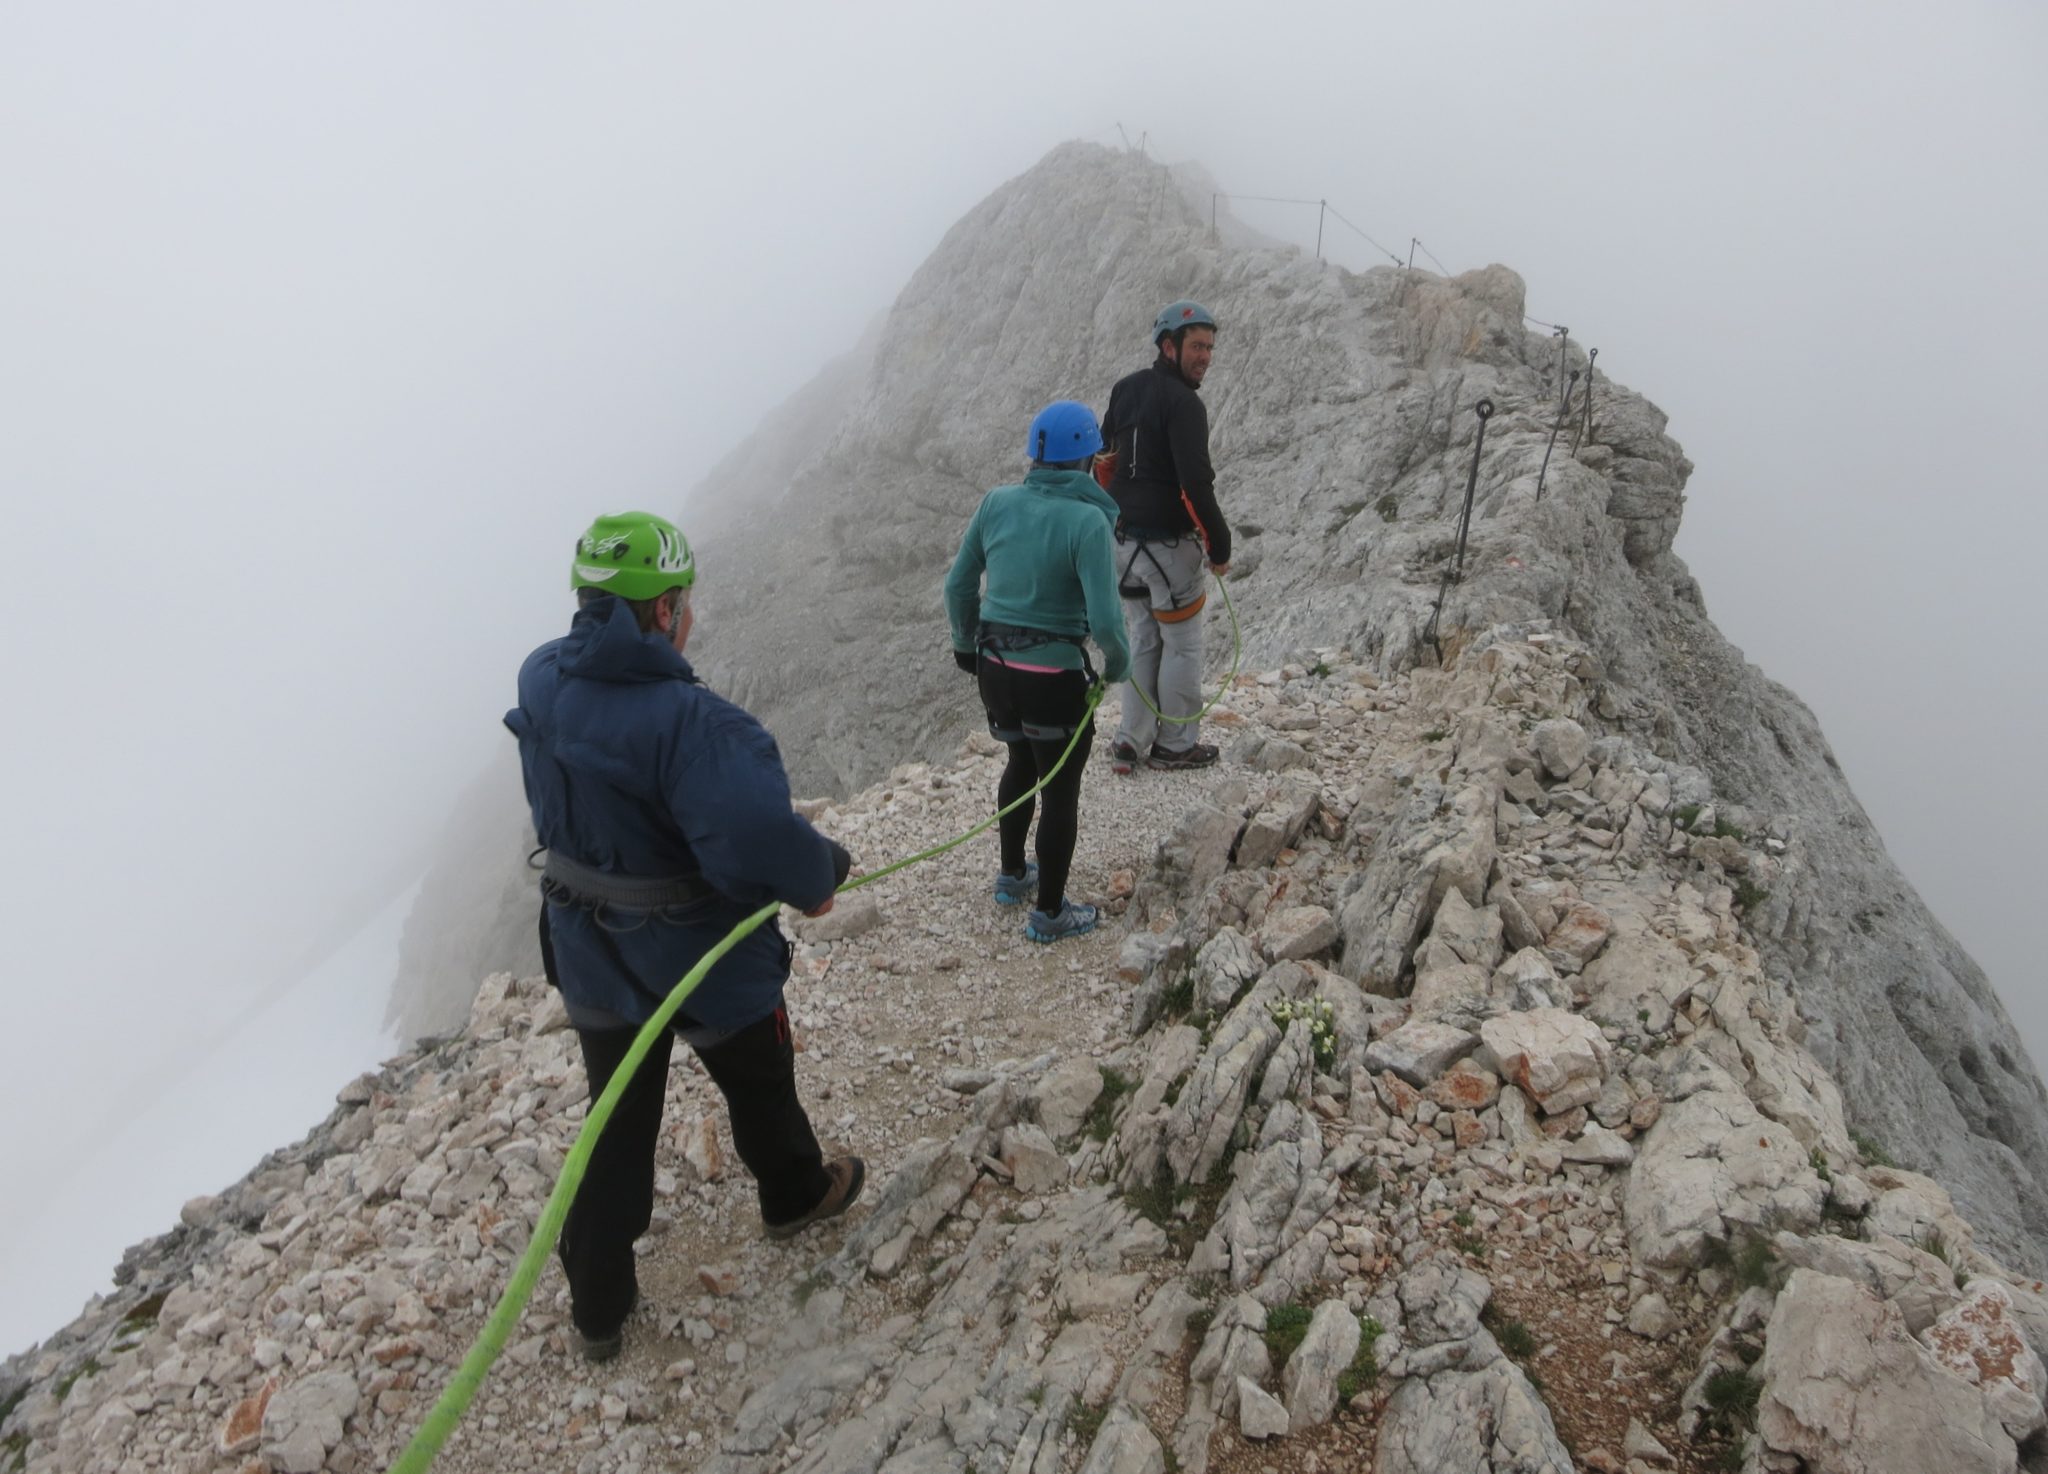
1364	1370
1102	1115
89	1367
1286	1325
1732	1395
1084	1422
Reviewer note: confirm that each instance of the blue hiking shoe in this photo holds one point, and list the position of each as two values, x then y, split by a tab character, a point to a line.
1071	920
1012	890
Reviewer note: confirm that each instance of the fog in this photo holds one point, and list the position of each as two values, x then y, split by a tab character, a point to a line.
324	329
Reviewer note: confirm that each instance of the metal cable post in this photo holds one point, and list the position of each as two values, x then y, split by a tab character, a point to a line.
1483	409
1563	410
1564	338
1456	572
1591	357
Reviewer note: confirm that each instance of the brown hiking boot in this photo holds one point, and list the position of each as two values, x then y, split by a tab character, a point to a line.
1122	758
1201	755
849	1175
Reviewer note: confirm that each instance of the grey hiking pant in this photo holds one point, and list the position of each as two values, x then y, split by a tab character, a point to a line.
1165	628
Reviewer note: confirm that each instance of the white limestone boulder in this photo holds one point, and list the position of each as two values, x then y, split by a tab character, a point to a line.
1557	1058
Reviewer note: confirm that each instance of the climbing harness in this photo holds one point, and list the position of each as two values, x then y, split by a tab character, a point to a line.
462	1388
1002	639
567	883
1456	572
1236	659
1142	543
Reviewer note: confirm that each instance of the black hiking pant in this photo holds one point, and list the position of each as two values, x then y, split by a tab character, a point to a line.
1023	706
755	1070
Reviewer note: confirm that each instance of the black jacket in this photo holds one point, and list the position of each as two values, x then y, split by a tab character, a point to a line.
1159	430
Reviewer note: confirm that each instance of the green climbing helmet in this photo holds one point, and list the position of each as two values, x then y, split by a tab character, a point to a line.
635	555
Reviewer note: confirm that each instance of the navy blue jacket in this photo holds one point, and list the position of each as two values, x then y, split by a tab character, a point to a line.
635	767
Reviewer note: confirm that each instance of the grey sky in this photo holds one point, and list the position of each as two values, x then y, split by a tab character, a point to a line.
322	329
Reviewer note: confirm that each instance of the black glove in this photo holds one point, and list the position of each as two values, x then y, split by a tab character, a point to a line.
842	862
965	660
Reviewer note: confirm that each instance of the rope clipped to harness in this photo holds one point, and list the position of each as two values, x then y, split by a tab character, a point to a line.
462	1388
1236	659
1456	572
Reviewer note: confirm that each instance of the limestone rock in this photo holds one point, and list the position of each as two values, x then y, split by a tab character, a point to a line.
1920	1285
1562	745
698	1140
306	1419
1599	1147
1125	1445
1198	1128
1651	1318
1473	933
1527	981
1196	852
1264	1238
1309	1380
1710	1166
1465	1086
1915	1209
1064	1095
244	1426
1277	755
1459	1406
1298	932
1557	1058
1224	967
1277	822
850	916
1260	1415
1639	1443
1638	973
1419	1052
1431	848
1980	1341
1035	1165
1849	1391
1578	936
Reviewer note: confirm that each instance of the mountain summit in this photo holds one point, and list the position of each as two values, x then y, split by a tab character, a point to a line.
1342	419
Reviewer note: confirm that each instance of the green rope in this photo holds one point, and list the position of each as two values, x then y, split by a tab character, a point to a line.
462	1388
1236	658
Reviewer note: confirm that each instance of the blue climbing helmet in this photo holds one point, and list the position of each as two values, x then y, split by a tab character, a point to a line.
1182	314
1064	430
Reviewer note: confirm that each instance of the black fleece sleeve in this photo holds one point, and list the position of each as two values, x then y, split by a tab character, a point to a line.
1188	432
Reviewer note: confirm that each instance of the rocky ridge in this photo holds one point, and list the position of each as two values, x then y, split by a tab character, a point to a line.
1341	405
1434	1108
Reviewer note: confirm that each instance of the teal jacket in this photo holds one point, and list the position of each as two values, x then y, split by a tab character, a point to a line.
1051	563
